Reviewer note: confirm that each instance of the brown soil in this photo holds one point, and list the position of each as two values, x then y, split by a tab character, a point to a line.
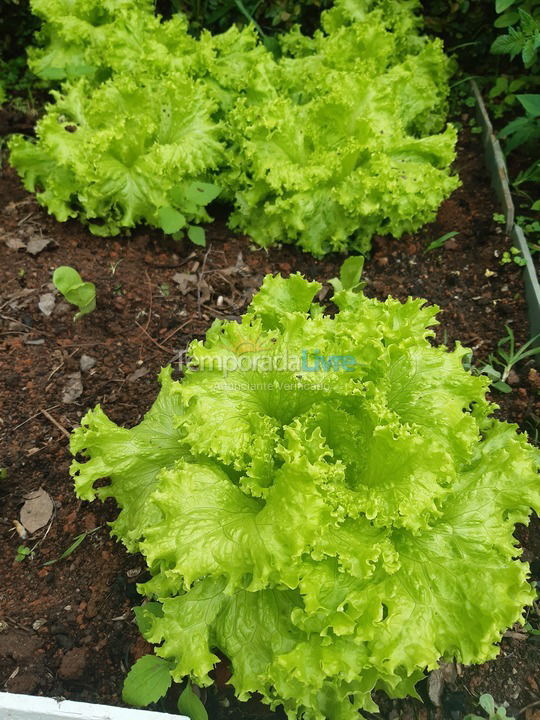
67	629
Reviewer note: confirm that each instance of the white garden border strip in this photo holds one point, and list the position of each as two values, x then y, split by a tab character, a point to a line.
31	707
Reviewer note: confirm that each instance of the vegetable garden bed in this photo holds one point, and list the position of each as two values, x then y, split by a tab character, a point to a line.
67	629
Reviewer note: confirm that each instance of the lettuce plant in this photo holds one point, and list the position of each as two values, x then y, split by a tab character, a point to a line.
341	138
351	145
99	159
325	500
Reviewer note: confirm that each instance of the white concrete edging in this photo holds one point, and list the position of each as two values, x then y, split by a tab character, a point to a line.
31	707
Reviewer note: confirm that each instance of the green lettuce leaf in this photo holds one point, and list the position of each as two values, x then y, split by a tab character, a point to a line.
130	459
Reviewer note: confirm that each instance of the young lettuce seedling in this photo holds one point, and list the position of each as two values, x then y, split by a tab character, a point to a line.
495	712
75	290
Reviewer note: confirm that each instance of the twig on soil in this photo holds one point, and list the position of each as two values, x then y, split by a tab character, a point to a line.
528	707
221	274
54	422
35	451
33	416
151	301
40	331
25	218
56	369
159	345
18	295
170	267
217	313
173	332
17	624
200	279
42	538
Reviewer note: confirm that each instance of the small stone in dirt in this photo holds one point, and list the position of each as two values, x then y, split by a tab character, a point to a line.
46	303
443	675
14	243
62	308
185	281
36	245
18	645
41	341
534	377
73	387
38	623
137	374
24	683
37	510
513	378
64	641
73	664
87	362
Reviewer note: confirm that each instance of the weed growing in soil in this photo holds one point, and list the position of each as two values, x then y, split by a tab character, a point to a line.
439	242
501	363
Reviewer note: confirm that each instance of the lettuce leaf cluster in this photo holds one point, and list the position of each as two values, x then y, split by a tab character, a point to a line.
341	137
325	500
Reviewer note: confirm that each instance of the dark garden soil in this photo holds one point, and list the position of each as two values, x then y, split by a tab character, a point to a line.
67	629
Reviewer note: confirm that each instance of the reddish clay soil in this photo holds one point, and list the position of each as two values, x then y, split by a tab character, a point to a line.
67	629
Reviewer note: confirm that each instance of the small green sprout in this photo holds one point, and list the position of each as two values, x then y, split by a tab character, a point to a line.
22	553
434	244
494	712
512	255
74	545
75	290
499	364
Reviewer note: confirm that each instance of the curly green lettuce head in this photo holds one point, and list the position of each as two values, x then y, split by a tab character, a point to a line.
96	38
323	499
119	154
351	145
